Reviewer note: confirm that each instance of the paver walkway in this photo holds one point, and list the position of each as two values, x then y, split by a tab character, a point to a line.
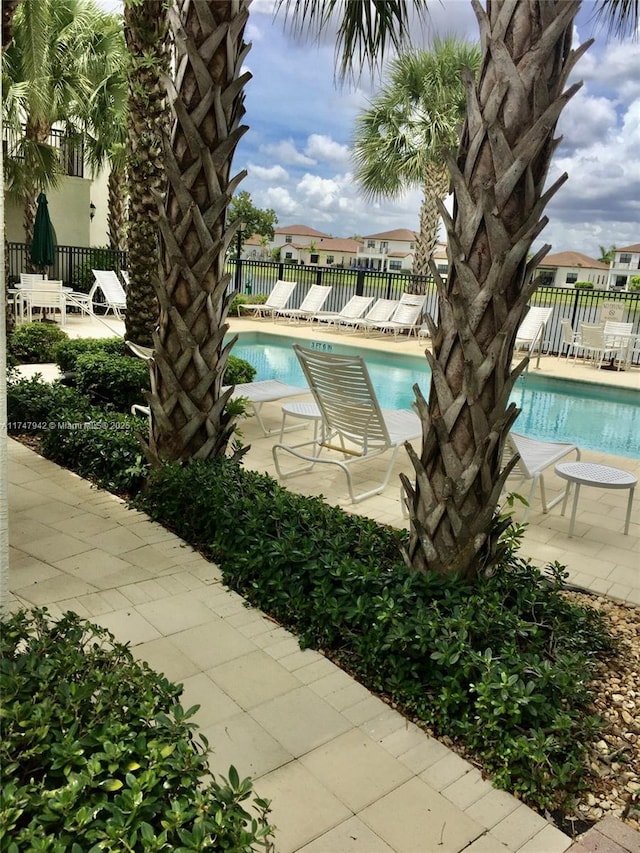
344	771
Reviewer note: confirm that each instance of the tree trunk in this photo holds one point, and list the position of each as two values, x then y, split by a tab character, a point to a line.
435	189
117	209
146	33
189	415
498	182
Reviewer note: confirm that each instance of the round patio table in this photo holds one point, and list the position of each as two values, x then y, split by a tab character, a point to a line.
304	411
599	476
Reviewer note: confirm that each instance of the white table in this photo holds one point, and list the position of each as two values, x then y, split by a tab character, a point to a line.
599	476
303	411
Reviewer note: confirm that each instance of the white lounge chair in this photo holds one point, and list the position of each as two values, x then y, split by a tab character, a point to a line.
405	318
354	427
278	298
535	457
107	291
530	334
354	309
310	306
381	310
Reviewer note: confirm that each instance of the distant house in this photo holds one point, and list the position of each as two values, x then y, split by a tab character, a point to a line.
626	264
388	250
564	269
293	242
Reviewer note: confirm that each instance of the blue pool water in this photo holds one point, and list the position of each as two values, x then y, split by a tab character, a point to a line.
594	417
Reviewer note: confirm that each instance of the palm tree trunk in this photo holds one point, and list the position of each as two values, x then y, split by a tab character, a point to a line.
146	33
189	418
498	183
435	189
117	209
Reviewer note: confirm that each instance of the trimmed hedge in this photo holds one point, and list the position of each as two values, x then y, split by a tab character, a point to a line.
67	352
97	753
35	343
501	665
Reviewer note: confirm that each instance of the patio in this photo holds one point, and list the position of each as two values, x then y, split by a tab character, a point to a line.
344	770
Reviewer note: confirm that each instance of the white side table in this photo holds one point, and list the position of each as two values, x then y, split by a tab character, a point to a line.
600	476
303	411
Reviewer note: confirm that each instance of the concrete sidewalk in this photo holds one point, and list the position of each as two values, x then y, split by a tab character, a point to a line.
345	772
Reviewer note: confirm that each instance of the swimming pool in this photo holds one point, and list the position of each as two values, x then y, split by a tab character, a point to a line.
592	416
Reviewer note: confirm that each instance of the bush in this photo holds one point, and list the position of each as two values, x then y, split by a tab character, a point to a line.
32	405
118	381
583	285
503	665
634	283
238	371
98	259
67	352
97	753
35	343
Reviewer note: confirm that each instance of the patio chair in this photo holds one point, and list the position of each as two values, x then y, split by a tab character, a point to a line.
381	310
535	457
278	298
108	285
530	334
353	424
353	310
405	318
310	306
47	295
568	339
594	344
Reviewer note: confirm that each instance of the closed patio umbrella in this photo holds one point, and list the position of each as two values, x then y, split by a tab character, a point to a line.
43	249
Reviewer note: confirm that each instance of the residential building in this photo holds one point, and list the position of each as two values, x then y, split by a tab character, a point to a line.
294	240
625	265
564	269
388	250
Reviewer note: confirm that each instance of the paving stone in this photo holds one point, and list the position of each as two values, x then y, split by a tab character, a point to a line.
621	833
351	836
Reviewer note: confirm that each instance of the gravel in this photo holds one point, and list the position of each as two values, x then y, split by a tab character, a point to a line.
615	759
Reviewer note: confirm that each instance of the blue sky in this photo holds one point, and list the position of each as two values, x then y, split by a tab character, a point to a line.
297	150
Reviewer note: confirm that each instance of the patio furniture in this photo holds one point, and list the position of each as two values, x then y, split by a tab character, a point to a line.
405	317
535	457
19	292
619	335
352	310
46	295
569	339
310	305
278	298
303	411
598	476
110	287
530	334
382	309
594	345
353	424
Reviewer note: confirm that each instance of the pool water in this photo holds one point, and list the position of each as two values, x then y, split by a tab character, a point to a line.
594	417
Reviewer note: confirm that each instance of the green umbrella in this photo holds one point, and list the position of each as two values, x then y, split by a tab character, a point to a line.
43	249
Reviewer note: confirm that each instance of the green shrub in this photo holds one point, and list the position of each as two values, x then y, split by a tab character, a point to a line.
102	258
118	381
35	343
67	352
98	754
633	283
238	371
583	285
502	665
33	405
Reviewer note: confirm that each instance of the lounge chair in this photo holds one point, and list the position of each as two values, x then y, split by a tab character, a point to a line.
405	317
530	334
108	286
278	298
535	457
354	309
353	424
310	306
381	310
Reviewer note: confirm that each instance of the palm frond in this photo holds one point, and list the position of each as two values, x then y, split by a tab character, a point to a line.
621	16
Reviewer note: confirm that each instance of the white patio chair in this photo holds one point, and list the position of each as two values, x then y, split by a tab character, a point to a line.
405	318
380	311
354	427
47	295
278	298
107	291
530	334
594	345
535	457
619	335
310	306
354	309
569	339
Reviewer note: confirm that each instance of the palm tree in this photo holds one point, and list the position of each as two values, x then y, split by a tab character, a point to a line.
607	256
146	32
498	181
46	85
400	140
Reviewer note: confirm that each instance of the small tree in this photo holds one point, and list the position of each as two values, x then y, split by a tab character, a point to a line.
254	220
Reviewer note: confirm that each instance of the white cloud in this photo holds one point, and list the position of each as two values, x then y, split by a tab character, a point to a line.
274	173
287	151
321	147
279	199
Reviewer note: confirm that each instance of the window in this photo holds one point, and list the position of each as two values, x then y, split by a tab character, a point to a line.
384	246
621	281
288	239
412	246
313	259
371	244
625	259
395	265
329	259
571	278
443	269
288	254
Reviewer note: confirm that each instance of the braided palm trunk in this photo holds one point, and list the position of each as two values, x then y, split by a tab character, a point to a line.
116	218
498	181
146	33
190	420
435	189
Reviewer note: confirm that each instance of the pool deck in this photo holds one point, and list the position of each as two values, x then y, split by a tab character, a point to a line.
346	773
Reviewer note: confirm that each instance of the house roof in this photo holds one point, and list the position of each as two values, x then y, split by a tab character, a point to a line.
301	231
572	259
634	248
398	234
338	244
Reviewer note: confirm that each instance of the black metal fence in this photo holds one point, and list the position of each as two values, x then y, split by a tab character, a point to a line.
72	266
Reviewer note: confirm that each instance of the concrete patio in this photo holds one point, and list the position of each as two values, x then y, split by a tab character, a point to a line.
345	772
